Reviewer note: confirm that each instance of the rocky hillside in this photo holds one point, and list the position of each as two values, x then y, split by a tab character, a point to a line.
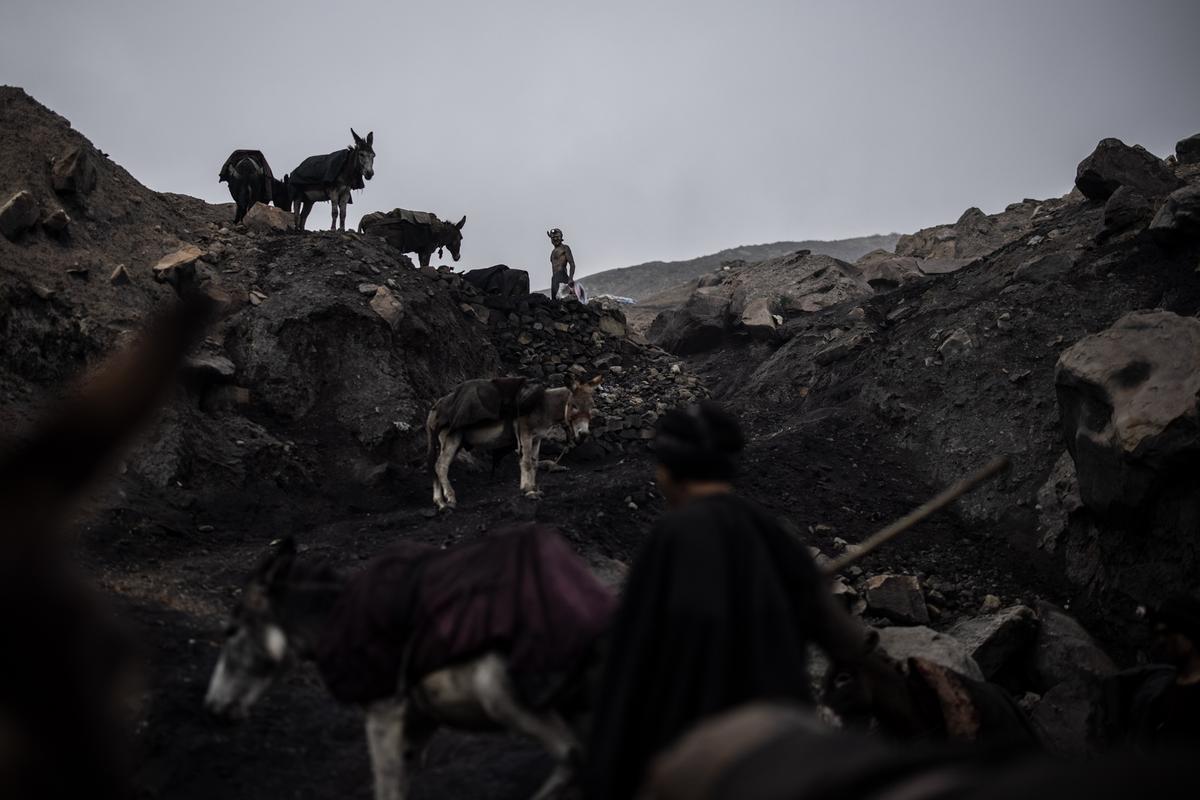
1022	346
643	281
330	350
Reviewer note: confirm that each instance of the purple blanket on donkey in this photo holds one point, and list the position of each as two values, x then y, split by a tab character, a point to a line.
521	591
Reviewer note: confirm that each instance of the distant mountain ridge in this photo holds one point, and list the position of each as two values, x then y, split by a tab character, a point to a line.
644	280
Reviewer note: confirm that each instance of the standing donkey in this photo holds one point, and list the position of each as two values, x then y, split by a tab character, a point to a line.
331	177
423	638
499	414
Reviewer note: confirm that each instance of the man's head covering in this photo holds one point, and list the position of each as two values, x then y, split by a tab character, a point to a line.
700	442
554	232
1180	613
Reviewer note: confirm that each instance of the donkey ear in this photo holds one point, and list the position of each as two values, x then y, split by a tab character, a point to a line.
357	138
461	222
370	137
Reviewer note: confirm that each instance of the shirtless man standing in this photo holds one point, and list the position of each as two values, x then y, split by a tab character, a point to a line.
560	258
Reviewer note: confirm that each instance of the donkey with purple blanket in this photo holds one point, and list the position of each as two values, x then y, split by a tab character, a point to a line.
499	633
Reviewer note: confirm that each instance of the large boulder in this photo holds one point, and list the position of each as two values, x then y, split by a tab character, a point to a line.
884	271
1129	405
1126	208
758	319
923	642
897	597
1063	718
73	172
1063	650
699	325
1047	268
1114	164
928	243
1187	151
178	269
18	214
265	218
1179	216
997	640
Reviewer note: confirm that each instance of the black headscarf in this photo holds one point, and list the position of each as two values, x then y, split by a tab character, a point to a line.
700	442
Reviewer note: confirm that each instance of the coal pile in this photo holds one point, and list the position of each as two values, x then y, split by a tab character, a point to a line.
554	342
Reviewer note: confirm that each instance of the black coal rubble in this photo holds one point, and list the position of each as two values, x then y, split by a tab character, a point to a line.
553	342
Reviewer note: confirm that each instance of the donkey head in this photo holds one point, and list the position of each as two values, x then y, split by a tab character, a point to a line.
256	646
364	153
577	416
453	240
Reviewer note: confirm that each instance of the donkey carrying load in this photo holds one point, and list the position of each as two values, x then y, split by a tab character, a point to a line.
500	414
331	177
250	181
415	232
501	633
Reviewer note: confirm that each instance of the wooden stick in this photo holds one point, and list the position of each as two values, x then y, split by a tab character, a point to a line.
945	498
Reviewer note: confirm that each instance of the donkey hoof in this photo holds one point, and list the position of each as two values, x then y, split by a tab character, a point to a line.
534	494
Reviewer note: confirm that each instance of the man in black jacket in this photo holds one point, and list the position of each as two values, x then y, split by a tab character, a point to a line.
718	610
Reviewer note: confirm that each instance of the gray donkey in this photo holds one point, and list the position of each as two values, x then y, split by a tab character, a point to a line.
331	177
503	414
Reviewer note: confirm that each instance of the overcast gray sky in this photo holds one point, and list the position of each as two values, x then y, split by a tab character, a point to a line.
646	130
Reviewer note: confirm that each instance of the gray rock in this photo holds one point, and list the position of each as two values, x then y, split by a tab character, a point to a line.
757	318
1056	501
264	218
56	222
388	306
1063	717
699	325
18	214
841	347
1179	216
923	642
897	597
1187	151
1129	405
1063	650
955	346
1048	268
210	368
888	273
1114	164
73	172
119	276
178	268
997	640
944	266
1126	208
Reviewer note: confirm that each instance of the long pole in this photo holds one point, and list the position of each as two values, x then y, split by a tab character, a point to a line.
943	499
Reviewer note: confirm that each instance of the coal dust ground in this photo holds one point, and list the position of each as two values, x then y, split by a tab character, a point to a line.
173	583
